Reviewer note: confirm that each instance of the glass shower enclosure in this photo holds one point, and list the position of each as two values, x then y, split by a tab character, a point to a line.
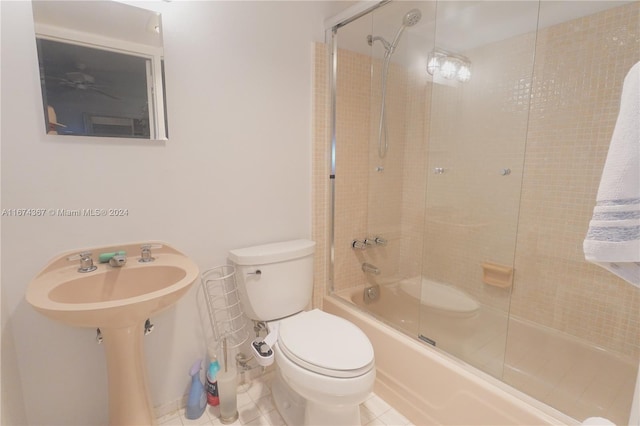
469	140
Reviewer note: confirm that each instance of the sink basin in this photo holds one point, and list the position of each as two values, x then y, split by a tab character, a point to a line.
117	284
112	296
117	300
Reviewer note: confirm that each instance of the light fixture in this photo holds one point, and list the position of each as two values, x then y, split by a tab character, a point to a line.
433	65
448	69
449	66
464	73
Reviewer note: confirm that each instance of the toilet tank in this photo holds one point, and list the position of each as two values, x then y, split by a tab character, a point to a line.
274	280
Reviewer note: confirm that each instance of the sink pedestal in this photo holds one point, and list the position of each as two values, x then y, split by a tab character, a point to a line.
129	397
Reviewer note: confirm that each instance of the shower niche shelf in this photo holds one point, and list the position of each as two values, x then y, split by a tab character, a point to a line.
497	275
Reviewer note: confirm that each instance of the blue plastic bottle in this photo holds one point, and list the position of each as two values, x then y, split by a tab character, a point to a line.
197	401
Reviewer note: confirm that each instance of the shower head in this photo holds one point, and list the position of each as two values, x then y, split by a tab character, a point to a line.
411	18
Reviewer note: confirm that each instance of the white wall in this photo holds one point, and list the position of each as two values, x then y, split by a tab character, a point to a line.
235	172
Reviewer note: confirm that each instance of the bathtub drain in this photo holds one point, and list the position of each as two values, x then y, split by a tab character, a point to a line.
371	294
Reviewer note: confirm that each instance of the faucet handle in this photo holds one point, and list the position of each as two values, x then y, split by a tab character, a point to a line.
150	246
358	244
369	242
380	241
86	261
79	256
145	252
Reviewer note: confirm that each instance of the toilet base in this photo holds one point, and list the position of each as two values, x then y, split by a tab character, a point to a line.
337	415
289	404
296	410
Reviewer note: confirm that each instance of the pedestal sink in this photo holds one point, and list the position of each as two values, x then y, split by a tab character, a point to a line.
117	300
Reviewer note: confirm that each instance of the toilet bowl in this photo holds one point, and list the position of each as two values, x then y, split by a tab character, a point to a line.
329	362
325	364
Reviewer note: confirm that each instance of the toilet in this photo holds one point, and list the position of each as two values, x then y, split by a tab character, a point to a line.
324	364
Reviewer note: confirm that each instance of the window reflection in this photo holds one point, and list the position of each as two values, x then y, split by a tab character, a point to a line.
95	92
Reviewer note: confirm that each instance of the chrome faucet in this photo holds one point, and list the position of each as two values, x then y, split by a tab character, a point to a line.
145	252
370	269
368	242
86	261
118	261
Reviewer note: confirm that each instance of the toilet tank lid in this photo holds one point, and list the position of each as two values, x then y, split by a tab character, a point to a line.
273	252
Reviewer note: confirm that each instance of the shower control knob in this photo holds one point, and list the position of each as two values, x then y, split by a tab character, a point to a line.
438	170
357	244
505	172
380	241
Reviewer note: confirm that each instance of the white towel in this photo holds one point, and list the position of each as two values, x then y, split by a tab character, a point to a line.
613	239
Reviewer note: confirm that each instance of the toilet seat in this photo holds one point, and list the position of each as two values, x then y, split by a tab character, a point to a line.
325	344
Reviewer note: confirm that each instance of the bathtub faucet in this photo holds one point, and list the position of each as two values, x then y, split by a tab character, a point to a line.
370	269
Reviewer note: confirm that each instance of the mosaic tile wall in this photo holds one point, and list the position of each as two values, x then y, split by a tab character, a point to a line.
478	130
321	221
352	166
579	69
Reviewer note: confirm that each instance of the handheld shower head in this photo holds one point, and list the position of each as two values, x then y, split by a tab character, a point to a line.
412	17
409	19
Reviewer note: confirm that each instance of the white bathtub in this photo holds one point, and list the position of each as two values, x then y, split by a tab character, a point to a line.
429	387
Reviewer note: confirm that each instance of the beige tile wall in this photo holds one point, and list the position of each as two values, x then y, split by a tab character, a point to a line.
353	110
478	129
579	70
535	218
321	220
385	175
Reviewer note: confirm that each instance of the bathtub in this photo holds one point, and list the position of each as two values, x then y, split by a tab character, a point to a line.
429	387
438	298
452	315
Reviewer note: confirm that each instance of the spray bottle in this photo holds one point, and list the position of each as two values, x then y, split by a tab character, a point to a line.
197	401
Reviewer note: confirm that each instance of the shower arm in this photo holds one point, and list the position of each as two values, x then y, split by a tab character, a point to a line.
371	39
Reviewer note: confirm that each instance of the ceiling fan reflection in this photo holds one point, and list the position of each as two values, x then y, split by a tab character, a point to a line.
79	80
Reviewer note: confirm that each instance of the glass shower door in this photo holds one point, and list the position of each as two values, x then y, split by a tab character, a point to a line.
369	230
400	32
480	86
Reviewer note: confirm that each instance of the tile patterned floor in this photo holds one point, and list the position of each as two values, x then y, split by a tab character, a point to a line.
256	408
